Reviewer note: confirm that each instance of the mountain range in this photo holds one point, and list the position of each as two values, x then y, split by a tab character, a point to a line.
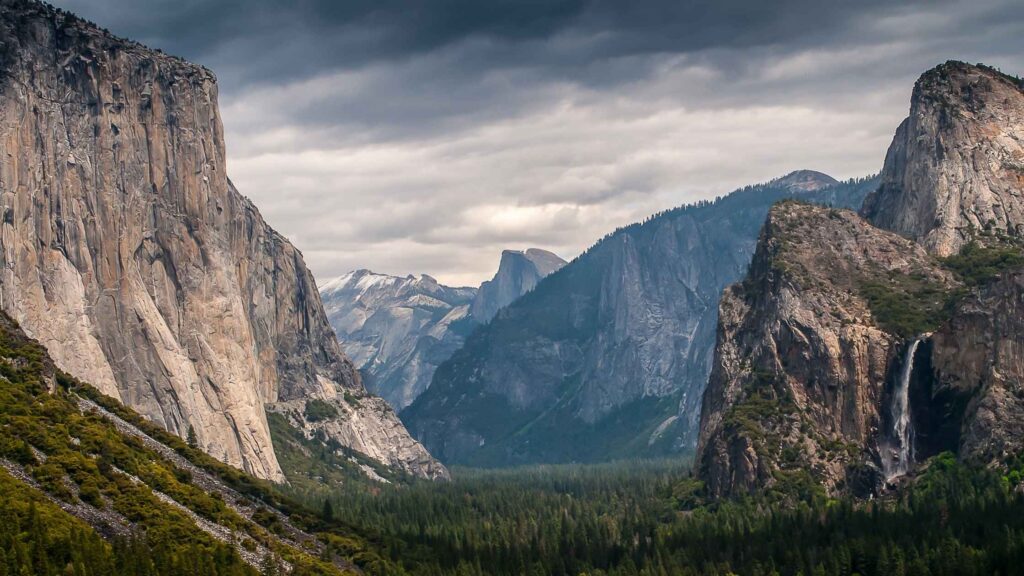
844	360
803	333
398	330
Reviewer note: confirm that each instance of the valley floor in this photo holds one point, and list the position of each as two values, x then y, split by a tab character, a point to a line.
642	517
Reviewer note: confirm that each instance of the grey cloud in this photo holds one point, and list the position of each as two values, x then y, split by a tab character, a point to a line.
427	135
265	40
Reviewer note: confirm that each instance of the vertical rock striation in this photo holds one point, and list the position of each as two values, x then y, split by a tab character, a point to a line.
956	164
127	252
978	382
849	349
802	367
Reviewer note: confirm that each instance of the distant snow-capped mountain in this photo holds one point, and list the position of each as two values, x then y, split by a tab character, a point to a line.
397	330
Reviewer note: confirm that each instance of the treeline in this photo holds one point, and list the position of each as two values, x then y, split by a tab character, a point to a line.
631	519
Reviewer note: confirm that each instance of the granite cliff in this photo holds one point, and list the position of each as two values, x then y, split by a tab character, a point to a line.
855	349
806	346
956	164
128	253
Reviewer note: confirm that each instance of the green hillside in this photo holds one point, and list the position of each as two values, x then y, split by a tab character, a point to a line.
89	487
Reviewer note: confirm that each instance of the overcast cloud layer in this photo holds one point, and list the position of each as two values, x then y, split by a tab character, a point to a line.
425	136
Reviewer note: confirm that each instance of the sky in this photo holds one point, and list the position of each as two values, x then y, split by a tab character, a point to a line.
426	136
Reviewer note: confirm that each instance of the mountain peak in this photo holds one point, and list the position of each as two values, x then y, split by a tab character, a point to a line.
956	73
518	273
806	180
546	262
954	167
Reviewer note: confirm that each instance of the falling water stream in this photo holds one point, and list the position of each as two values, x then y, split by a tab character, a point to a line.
902	456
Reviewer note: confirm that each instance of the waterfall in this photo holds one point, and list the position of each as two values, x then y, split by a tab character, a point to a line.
898	462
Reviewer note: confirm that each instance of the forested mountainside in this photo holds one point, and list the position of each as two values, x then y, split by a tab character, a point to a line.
129	254
88	486
850	354
609	356
398	330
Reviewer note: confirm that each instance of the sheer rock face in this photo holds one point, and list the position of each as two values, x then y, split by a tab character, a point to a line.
956	163
801	365
397	330
518	273
608	357
127	252
978	361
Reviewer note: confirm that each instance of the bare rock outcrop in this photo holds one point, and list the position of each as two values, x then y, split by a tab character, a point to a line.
518	273
128	253
978	382
956	164
397	330
366	424
850	353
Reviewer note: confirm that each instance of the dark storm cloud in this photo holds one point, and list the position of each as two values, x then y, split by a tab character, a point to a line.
416	68
427	135
264	40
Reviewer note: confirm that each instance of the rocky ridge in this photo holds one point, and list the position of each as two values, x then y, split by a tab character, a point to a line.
608	357
399	330
806	347
396	330
129	254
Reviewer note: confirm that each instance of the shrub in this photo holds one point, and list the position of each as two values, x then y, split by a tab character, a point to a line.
317	410
907	304
977	264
